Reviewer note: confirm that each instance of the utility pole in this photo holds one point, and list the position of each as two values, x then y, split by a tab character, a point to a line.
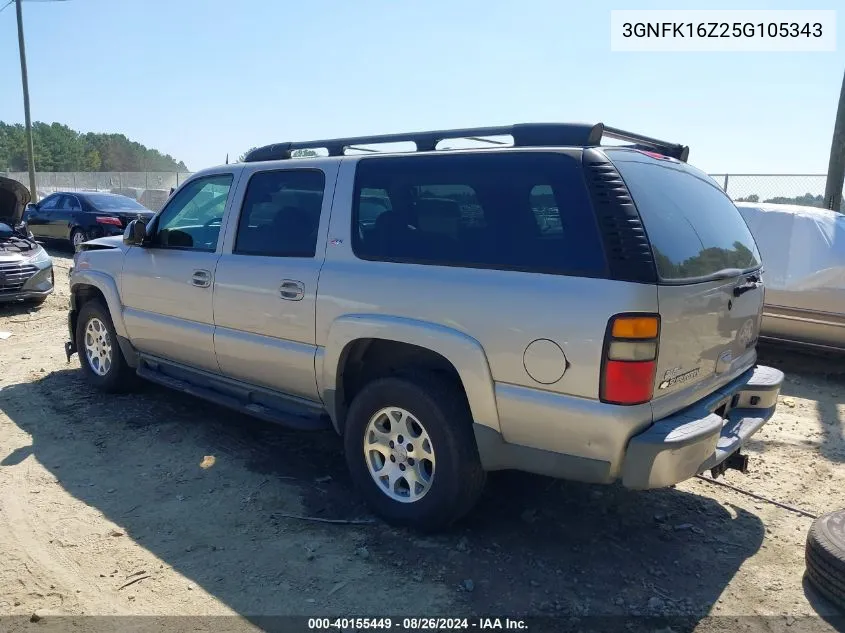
25	80
836	167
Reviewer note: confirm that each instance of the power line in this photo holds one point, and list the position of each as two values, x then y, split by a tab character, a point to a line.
10	2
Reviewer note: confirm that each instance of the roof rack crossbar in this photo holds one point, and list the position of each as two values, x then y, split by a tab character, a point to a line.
523	134
675	150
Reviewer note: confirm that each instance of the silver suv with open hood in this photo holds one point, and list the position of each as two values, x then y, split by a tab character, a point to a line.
26	270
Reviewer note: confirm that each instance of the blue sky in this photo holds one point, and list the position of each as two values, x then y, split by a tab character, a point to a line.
202	78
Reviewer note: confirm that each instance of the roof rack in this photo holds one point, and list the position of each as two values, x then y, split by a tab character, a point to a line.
523	134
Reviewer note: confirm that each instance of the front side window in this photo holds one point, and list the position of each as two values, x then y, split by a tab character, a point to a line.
193	218
523	211
49	203
280	216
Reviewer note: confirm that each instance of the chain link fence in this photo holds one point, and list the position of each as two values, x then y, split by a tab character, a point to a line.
152	188
803	189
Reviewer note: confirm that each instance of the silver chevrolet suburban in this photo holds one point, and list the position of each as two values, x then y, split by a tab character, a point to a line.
544	303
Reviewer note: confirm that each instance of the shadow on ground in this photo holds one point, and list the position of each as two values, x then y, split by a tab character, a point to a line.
822	380
533	546
18	309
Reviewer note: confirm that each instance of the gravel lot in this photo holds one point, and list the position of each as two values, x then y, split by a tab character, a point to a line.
106	508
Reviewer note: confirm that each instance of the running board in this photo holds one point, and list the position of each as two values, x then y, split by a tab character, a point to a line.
255	403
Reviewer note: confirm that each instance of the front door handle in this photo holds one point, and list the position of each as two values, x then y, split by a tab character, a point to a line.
292	290
201	278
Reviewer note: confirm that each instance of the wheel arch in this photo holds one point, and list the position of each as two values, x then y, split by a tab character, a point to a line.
382	345
89	285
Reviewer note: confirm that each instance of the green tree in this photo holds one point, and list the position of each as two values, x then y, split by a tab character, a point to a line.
60	148
807	200
243	156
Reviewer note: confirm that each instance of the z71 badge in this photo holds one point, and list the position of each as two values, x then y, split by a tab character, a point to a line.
676	376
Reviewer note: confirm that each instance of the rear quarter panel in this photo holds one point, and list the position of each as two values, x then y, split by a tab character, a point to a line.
505	311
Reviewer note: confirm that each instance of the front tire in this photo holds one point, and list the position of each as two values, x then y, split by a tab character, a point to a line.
100	356
411	451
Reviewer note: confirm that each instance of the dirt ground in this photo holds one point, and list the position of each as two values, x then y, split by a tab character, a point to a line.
105	509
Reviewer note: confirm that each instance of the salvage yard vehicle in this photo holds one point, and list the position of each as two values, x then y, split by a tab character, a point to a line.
76	216
803	249
26	270
555	306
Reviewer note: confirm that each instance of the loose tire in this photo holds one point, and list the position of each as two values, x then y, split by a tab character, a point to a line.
100	357
411	451
825	557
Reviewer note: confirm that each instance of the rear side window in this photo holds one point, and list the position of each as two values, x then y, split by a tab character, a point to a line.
694	228
525	211
281	214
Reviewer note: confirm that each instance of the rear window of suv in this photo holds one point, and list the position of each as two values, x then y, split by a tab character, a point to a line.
523	211
694	228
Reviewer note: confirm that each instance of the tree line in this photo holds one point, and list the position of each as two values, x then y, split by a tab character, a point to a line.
807	200
60	148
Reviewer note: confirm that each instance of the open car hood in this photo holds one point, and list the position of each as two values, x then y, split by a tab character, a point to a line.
13	200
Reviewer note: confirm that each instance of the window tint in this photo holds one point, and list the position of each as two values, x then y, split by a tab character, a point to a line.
372	203
49	202
193	217
69	203
524	211
694	228
281	214
546	213
106	202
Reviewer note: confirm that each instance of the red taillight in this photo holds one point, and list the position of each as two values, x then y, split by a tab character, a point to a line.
105	219
630	359
628	382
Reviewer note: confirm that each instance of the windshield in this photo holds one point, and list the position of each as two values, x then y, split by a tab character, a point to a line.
694	228
105	202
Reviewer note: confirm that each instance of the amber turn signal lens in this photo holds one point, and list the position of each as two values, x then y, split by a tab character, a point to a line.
635	327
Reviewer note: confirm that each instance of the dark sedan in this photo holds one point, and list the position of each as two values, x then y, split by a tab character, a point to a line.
77	216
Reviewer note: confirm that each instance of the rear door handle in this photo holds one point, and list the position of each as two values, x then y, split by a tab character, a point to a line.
201	278
292	290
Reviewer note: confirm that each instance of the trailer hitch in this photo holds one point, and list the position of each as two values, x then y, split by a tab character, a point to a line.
735	461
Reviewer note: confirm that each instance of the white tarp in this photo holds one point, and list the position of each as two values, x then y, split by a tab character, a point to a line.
803	251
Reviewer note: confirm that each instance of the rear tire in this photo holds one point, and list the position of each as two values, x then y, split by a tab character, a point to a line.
100	356
439	460
77	237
